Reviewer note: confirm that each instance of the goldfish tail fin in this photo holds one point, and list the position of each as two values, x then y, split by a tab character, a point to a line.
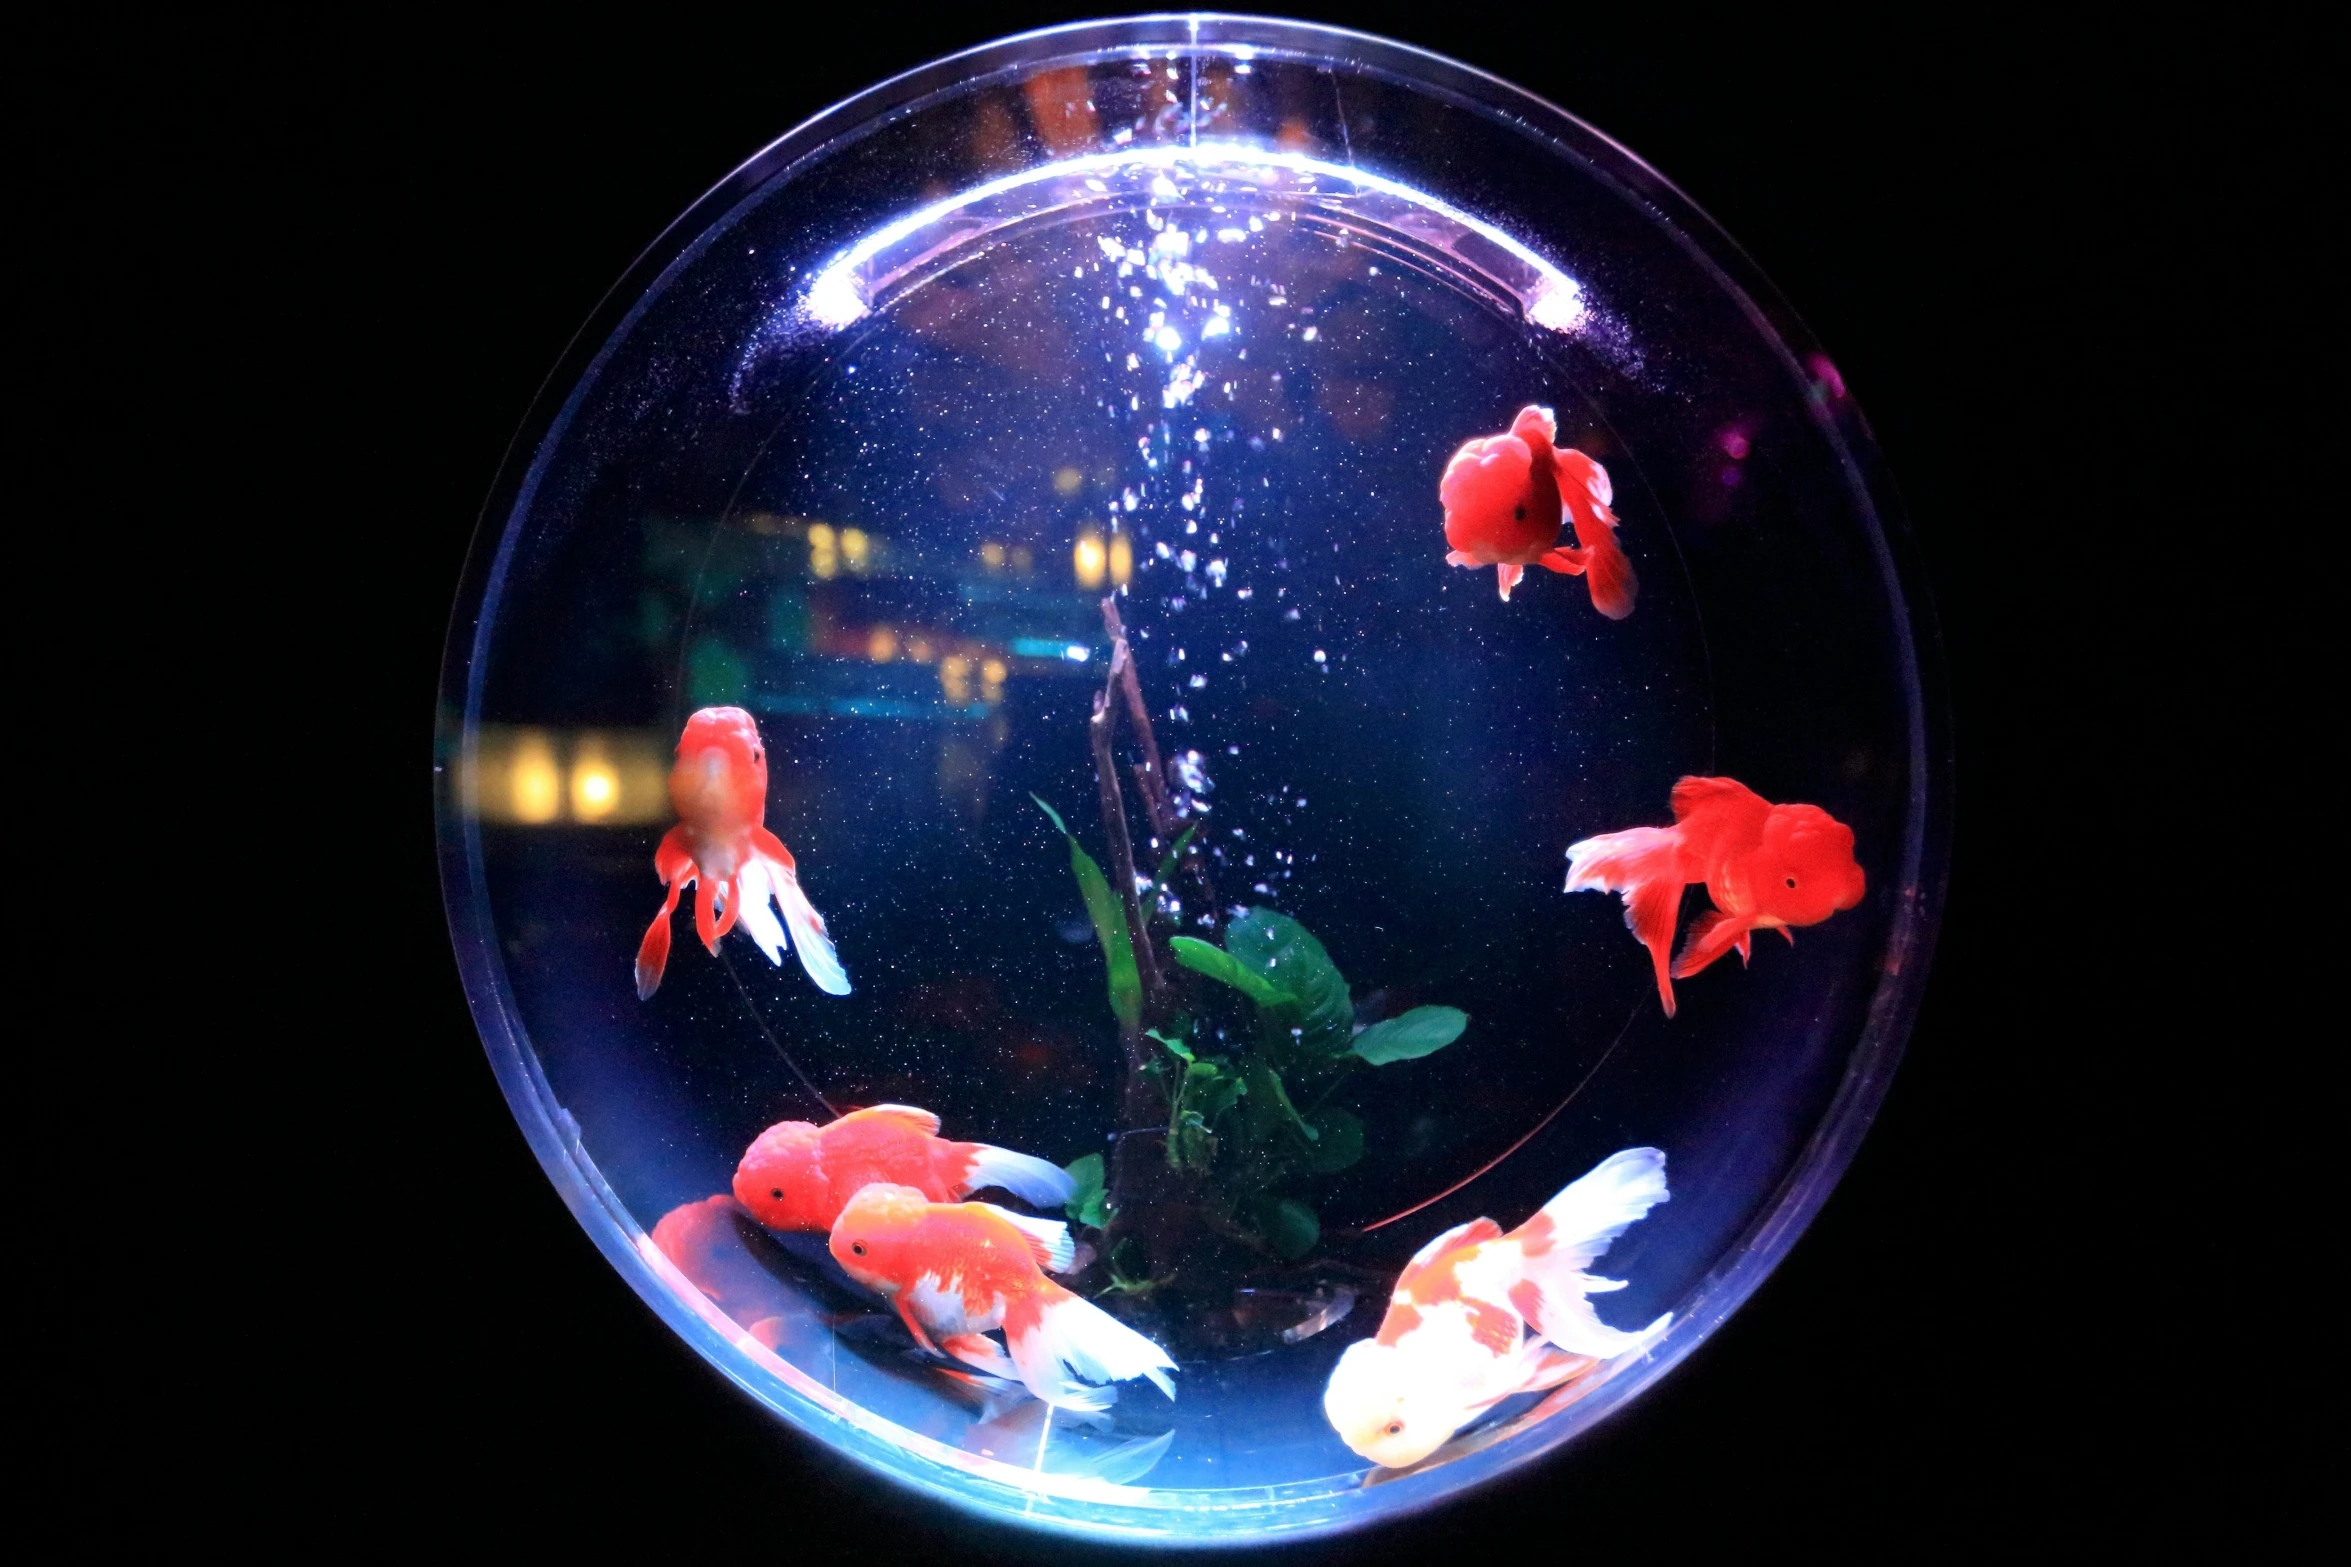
1048	1239
765	877
1643	863
1611	579
1026	1176
1567	562
1072	1335
1509	576
981	1353
1712	934
1567	1235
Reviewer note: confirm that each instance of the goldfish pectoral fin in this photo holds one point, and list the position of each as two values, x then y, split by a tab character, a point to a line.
1784	931
1567	562
653	951
922	1340
1459	558
653	954
1509	576
1746	951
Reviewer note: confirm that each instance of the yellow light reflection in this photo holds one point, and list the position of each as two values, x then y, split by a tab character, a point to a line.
955	678
992	674
1090	559
534	777
881	645
1122	559
1066	481
595	785
992	555
918	649
854	549
824	558
1022	560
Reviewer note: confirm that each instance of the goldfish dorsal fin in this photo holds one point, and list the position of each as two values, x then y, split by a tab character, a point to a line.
1049	1242
1692	795
921	1120
1470	1234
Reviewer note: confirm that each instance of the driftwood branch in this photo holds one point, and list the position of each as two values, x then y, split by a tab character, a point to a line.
1152	779
1122	848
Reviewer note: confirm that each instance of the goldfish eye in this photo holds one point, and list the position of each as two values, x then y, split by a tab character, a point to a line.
1395	1428
1791	881
777	1192
1519	513
857	1247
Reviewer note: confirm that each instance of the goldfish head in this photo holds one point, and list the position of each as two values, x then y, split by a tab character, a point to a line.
1805	870
721	774
870	1237
1386	1407
782	1181
1536	425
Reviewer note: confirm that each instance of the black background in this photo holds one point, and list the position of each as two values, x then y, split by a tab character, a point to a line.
2059	261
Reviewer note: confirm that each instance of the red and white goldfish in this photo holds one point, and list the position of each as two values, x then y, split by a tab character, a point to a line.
957	1271
722	845
1505	497
799	1176
1766	866
1455	1341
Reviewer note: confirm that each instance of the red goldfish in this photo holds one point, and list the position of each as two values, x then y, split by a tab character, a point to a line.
1505	497
1766	866
798	1176
1454	1343
960	1270
721	844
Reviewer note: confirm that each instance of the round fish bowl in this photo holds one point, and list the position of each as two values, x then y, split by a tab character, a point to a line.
1191	781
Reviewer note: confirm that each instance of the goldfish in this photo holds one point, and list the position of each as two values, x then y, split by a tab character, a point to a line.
799	1176
962	1270
722	845
1505	497
1455	1341
1766	866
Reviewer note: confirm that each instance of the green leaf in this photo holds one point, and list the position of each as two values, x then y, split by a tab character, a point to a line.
1221	966
1290	1227
1274	1105
1182	1050
1110	927
1211	1089
1419	1032
1051	815
1284	954
1089	1204
1340	1143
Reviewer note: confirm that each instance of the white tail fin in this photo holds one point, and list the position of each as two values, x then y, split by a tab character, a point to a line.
1570	1233
808	933
1048	1239
1072	1335
1024	1175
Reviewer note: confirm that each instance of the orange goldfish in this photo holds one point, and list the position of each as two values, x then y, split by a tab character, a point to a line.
1505	497
1766	866
1455	1340
721	844
799	1176
961	1270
